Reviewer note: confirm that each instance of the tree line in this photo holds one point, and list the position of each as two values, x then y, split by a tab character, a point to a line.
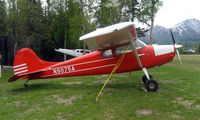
46	25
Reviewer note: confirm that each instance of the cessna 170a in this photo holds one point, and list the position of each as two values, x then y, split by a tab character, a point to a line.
117	50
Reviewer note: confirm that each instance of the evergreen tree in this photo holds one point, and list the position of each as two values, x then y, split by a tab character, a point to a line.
2	18
12	29
3	35
199	48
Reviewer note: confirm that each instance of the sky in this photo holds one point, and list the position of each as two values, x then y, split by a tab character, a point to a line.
175	11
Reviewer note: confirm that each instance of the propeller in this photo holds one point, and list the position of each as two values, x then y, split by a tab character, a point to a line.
176	46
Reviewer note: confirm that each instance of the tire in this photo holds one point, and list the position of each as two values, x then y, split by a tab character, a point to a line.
151	85
144	78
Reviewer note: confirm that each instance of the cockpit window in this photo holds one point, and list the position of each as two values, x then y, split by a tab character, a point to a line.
123	49
127	48
87	51
81	51
107	53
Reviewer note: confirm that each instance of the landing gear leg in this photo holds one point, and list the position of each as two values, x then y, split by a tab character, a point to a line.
148	81
146	73
144	78
26	83
150	84
129	75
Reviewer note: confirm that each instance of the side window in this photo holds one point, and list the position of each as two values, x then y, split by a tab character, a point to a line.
107	53
82	51
122	49
87	51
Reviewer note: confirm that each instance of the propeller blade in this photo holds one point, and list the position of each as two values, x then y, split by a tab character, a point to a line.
179	57
172	37
176	46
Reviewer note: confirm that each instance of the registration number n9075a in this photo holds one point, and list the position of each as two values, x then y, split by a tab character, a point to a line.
64	69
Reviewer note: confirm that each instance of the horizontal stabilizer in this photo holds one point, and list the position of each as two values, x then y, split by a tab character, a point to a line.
23	76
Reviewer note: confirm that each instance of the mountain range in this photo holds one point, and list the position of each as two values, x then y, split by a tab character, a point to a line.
186	33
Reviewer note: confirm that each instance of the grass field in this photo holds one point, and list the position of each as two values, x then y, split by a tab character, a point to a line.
123	99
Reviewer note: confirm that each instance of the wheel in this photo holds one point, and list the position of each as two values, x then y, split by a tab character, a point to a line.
151	85
144	78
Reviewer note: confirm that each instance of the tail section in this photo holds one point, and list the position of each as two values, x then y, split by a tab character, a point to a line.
27	62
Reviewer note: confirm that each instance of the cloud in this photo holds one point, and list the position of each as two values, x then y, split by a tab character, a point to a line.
175	11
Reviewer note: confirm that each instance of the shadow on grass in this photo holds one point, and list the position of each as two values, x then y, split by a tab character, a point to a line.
95	86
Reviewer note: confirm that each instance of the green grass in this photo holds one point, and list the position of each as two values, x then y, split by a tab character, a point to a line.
123	99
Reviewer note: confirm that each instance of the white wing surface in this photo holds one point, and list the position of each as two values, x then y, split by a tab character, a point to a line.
69	52
110	36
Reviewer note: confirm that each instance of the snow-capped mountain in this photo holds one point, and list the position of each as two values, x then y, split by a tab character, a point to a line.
186	32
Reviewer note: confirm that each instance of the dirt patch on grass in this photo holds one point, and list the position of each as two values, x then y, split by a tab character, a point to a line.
72	83
184	102
109	115
161	73
102	81
197	107
36	108
175	116
61	116
18	103
100	76
108	90
66	101
167	81
144	112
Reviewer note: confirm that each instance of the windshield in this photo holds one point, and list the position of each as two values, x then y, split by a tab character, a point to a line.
140	44
127	48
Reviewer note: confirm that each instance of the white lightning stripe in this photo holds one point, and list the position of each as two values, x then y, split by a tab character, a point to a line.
94	68
141	55
84	62
21	65
82	70
93	61
24	71
18	69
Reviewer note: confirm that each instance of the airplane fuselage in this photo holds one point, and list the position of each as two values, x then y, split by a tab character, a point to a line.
98	62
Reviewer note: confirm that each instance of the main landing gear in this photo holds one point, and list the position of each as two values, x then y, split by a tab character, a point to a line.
150	84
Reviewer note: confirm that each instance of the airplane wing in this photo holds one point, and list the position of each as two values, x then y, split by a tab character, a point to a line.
69	52
110	36
114	35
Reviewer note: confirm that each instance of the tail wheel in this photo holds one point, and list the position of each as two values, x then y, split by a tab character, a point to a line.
151	85
144	78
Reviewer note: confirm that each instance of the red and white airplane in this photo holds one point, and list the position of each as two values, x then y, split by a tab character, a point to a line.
117	49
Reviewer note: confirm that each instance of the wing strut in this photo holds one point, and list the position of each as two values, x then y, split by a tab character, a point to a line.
133	46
